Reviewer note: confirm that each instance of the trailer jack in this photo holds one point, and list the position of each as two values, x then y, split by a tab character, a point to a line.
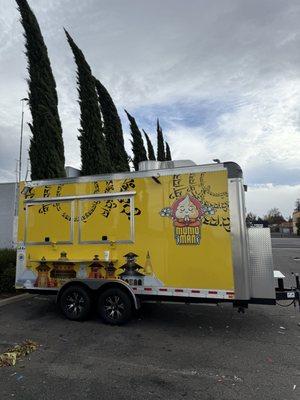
241	305
292	293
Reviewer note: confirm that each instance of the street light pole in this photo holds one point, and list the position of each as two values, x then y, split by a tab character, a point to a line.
21	138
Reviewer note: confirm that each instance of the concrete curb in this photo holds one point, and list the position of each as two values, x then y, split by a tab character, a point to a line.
16	298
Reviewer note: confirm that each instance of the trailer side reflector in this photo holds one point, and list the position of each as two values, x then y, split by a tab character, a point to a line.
188	292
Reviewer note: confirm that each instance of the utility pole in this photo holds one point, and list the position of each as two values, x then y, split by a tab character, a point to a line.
21	138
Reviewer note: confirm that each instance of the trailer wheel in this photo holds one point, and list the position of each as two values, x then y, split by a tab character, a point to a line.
75	303
114	306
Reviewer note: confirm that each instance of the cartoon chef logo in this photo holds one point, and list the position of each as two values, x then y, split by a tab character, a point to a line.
186	213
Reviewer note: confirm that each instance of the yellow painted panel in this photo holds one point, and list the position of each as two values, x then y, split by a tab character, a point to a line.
109	220
44	220
182	230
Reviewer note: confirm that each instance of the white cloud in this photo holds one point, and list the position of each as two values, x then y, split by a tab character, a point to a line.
244	55
261	198
262	132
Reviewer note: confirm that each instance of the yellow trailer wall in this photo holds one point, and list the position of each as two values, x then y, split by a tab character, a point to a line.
181	222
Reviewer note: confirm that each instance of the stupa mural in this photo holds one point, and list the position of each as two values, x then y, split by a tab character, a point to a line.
27	279
132	275
150	278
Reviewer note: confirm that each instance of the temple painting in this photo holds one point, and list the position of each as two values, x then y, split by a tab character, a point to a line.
132	272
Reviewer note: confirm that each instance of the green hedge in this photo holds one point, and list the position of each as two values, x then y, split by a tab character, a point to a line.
7	270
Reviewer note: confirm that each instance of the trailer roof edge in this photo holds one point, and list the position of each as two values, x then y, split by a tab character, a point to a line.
234	170
131	174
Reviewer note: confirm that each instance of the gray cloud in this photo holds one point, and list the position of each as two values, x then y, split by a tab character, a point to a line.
154	54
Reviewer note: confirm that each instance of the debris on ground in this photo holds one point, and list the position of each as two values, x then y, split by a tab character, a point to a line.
237	378
9	358
19	377
283	328
224	378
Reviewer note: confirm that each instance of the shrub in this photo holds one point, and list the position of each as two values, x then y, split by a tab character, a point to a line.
7	270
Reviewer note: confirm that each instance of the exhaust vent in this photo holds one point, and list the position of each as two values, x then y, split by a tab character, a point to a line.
151	165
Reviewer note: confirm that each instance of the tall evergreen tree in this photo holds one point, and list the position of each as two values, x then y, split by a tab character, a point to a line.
168	152
94	154
161	156
112	130
138	148
151	154
46	144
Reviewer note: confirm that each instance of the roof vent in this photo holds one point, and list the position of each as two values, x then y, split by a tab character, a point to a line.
151	165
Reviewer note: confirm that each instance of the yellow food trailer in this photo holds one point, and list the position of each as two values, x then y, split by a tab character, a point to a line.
173	231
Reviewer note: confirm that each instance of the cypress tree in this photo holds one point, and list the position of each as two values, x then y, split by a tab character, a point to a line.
168	152
46	144
138	148
112	130
151	154
94	155
160	144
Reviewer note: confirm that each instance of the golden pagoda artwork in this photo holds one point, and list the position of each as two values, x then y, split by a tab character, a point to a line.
95	267
43	279
150	279
148	265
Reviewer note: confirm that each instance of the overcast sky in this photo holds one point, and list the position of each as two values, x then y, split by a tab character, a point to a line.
223	76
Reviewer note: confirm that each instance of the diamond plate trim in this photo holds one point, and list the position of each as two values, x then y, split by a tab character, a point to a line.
261	263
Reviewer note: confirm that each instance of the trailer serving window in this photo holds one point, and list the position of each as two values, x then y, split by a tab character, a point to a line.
49	221
106	218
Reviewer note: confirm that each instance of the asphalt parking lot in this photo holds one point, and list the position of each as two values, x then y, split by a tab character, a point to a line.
168	352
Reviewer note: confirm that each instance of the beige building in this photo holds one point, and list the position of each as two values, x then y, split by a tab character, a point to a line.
296	218
286	228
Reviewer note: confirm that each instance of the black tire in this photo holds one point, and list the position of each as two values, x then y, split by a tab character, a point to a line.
75	303
114	306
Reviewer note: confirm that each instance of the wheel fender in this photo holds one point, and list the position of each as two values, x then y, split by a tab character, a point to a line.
118	283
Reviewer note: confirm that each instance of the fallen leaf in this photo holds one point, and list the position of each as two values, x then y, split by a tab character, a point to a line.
9	358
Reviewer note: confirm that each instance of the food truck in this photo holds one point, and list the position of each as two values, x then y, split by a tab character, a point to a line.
172	231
